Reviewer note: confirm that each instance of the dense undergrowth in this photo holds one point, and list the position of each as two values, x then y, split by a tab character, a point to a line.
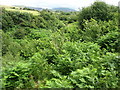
61	49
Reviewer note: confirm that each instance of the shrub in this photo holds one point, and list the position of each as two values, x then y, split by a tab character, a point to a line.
98	11
16	75
110	41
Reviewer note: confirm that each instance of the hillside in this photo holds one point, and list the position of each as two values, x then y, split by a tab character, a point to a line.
50	49
29	7
35	8
19	9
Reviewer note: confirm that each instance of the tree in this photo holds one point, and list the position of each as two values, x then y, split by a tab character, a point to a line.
7	20
98	11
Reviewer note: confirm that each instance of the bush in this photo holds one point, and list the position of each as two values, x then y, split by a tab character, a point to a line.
110	41
19	33
76	55
94	30
7	20
16	75
98	11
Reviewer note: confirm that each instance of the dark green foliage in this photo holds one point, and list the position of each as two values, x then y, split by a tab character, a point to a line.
110	41
74	56
68	17
101	11
106	34
98	11
19	34
25	8
46	20
7	20
114	8
16	75
40	65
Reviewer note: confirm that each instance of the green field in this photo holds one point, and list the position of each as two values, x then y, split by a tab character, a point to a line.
17	9
24	11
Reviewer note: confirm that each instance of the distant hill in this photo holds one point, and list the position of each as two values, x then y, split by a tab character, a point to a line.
19	6
64	9
35	8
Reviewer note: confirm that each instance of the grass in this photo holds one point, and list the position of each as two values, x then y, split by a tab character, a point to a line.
17	9
28	11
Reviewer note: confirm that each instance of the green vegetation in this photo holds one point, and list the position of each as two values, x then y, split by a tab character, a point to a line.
61	49
20	9
27	11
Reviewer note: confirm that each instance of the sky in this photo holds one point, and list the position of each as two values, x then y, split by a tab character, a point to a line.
74	4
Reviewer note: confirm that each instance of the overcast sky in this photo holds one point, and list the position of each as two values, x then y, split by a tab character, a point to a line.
75	4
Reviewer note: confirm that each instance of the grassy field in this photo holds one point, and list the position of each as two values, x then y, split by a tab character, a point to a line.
28	11
9	8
